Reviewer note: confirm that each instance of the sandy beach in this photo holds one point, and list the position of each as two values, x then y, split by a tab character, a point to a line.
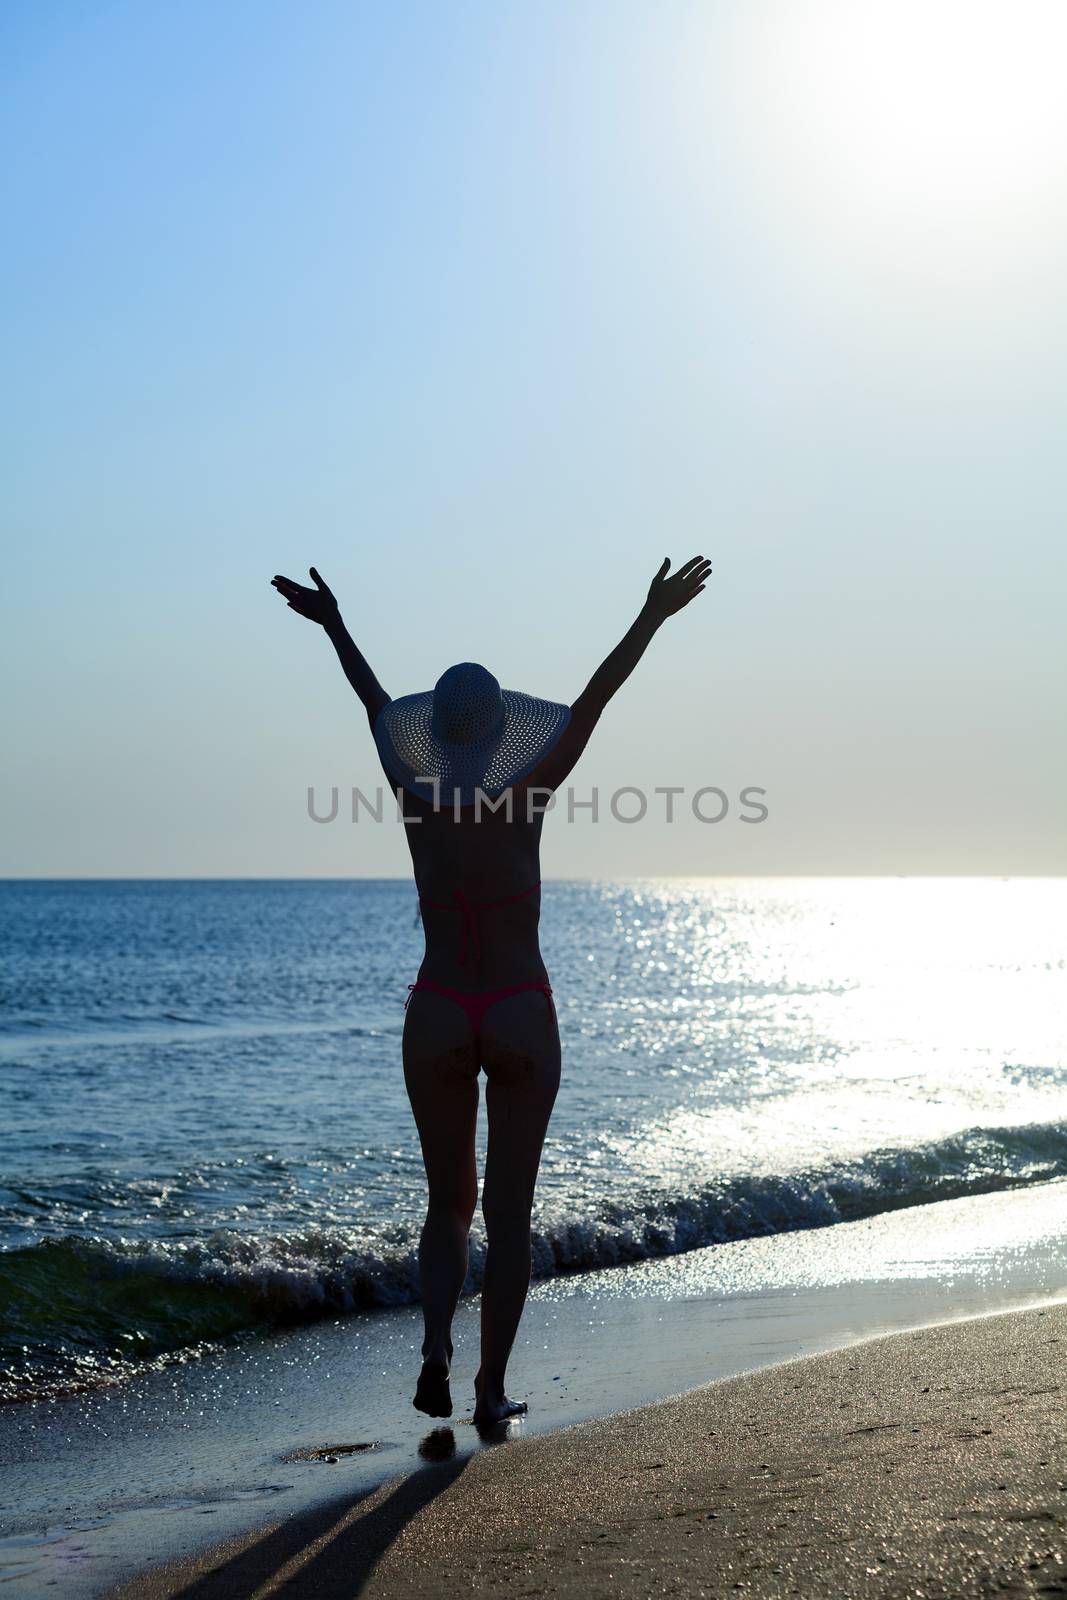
931	1462
99	1489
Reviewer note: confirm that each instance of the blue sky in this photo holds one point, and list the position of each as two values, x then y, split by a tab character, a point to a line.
483	309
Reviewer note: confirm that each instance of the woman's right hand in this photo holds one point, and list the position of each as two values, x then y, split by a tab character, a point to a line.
668	595
317	604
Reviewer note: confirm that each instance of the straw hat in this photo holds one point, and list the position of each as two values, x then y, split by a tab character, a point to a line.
468	734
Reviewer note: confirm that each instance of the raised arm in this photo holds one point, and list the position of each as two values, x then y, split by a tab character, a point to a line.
665	597
319	605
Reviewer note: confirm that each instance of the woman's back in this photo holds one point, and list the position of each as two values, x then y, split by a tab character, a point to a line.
478	876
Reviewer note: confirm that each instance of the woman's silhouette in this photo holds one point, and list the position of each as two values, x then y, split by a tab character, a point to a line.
476	766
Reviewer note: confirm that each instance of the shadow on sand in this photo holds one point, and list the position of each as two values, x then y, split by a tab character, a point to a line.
354	1542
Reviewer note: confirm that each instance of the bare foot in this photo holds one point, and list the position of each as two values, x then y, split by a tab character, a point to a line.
486	1415
432	1393
490	1408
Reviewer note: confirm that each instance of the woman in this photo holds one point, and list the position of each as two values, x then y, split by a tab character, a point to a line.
476	766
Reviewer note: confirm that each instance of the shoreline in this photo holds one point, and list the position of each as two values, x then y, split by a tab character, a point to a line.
900	1461
123	1480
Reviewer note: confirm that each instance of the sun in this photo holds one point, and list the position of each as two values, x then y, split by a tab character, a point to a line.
943	120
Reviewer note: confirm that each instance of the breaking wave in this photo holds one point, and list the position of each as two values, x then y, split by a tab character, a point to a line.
85	1312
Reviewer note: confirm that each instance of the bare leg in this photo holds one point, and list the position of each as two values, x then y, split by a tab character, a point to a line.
521	1057
441	1074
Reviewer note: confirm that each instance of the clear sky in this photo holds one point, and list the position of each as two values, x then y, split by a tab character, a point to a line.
483	309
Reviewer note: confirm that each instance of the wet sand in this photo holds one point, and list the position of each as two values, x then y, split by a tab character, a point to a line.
932	1462
99	1488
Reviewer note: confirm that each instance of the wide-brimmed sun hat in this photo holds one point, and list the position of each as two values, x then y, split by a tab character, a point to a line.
467	733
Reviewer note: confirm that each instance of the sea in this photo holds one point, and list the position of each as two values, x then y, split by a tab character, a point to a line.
204	1134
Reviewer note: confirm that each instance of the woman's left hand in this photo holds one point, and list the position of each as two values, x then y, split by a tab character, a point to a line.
318	604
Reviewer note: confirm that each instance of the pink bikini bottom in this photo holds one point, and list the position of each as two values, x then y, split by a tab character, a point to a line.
476	1002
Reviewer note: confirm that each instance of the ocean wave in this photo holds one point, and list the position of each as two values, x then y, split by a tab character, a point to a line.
84	1312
